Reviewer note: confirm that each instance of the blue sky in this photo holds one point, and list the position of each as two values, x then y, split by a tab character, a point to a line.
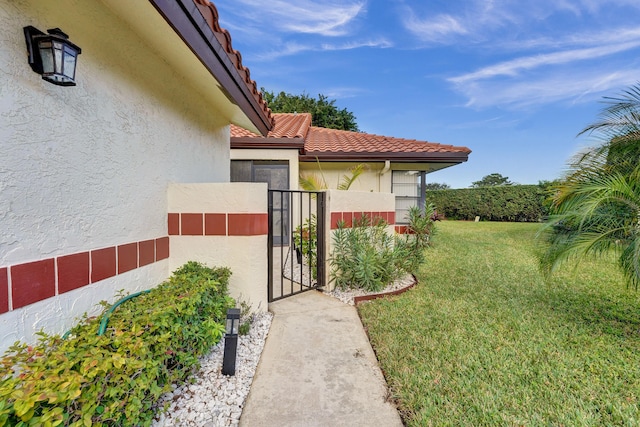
515	81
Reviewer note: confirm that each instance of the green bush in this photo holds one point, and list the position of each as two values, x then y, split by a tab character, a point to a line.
516	203
151	341
367	257
305	240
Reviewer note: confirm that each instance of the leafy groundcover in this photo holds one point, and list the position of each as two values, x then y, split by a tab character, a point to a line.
151	341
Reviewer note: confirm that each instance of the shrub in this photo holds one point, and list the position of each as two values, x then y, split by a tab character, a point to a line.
305	240
365	256
521	203
115	379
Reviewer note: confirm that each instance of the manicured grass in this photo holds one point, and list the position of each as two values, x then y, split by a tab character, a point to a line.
484	340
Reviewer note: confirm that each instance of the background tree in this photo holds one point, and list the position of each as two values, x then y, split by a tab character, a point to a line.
596	209
436	186
324	111
492	180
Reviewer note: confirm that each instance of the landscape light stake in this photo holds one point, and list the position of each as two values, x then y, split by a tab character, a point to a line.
231	342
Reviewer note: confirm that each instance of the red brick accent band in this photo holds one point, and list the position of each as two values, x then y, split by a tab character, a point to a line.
24	284
403	229
348	217
218	224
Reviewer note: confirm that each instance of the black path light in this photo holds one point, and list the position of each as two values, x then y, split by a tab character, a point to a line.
231	342
52	55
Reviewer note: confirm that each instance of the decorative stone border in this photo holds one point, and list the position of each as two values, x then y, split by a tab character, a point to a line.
370	297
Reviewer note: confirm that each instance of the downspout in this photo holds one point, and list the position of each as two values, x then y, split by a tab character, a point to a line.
385	169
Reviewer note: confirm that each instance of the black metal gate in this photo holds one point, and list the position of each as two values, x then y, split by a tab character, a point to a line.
296	242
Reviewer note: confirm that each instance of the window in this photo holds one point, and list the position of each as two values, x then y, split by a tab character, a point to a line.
408	187
275	173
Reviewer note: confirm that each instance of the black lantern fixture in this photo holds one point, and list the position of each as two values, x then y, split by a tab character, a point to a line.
231	342
52	55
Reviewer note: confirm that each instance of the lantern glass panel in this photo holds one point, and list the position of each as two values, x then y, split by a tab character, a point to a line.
69	69
57	50
47	57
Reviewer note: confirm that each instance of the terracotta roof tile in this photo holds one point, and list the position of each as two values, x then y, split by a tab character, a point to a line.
332	143
210	14
321	140
286	125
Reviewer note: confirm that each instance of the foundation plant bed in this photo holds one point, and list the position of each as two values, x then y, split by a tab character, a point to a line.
485	340
115	379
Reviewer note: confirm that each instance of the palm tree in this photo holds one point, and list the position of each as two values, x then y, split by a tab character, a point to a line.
596	208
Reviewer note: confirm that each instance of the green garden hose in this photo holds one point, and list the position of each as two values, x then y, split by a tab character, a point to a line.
105	317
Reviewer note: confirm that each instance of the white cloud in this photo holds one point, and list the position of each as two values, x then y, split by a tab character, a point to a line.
513	67
436	29
576	87
481	20
327	18
288	49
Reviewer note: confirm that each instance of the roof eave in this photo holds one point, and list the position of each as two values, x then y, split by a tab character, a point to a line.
184	16
267	143
412	157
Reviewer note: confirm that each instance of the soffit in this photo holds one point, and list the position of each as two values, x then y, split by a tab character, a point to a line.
195	52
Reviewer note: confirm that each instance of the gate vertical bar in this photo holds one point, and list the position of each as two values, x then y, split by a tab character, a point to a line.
270	283
321	216
291	246
282	219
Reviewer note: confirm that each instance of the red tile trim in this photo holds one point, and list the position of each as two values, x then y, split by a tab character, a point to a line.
73	271
103	264
222	224
401	229
350	217
162	248
127	257
192	224
4	290
32	282
250	224
215	224
335	218
35	281
146	252
174	224
347	217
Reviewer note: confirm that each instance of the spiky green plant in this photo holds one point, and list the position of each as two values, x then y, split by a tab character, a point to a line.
596	208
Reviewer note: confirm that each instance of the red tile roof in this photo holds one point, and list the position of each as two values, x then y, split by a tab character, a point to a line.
210	14
337	145
323	140
286	125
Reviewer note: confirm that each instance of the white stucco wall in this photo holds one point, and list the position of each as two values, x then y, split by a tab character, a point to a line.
353	201
87	167
370	180
246	256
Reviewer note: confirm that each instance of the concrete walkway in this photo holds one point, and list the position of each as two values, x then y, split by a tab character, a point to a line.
317	369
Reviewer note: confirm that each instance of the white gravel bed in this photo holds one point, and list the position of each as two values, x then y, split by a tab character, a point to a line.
212	399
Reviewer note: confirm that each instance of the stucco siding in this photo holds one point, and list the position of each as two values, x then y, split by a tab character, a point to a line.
88	167
371	179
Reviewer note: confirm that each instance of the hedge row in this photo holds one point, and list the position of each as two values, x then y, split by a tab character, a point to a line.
151	341
522	203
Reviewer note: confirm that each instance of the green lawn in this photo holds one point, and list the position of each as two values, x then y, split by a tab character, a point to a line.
483	340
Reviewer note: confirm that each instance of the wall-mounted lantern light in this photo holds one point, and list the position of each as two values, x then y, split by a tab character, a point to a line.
231	342
52	55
